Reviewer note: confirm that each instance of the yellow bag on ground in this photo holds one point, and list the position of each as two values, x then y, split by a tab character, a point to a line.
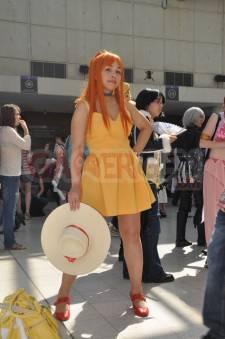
22	317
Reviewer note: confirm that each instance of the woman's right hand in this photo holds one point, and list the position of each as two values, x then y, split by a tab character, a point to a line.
74	197
23	124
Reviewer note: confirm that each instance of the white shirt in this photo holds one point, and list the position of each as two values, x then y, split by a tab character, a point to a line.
11	144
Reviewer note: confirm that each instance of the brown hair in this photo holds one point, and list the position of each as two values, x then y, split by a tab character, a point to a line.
94	88
7	117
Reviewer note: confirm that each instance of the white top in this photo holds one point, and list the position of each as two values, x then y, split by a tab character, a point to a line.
11	144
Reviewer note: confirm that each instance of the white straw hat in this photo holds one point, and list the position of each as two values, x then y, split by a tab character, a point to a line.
76	242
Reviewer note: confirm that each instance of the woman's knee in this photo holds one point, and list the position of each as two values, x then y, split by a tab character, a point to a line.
130	235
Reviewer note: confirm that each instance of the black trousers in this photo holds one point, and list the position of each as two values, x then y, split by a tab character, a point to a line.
150	229
182	214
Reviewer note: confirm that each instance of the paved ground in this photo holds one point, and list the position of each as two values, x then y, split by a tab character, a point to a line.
100	305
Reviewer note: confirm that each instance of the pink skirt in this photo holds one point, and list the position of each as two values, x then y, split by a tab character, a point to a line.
213	186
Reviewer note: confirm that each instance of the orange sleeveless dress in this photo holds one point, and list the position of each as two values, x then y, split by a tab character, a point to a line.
112	179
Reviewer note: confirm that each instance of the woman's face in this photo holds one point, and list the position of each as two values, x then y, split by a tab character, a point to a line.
155	107
17	118
111	77
199	120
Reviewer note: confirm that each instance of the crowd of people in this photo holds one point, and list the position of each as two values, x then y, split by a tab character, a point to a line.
27	177
107	122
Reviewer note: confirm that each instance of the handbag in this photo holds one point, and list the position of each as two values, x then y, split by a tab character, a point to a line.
22	317
191	166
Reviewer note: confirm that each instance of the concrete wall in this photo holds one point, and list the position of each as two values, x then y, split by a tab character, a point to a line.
188	36
72	88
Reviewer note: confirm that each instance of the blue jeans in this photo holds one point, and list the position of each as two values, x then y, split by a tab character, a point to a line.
10	188
214	302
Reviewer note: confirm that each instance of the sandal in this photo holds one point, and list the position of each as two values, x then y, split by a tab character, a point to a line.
140	311
63	315
16	247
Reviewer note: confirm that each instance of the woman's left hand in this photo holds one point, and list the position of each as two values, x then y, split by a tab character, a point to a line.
74	197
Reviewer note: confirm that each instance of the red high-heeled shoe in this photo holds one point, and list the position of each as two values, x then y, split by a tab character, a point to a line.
138	310
63	316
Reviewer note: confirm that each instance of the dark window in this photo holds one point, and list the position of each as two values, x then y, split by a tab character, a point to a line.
48	69
169	78
188	79
128	74
37	69
60	71
178	79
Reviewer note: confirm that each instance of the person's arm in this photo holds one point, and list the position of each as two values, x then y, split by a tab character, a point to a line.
59	153
29	158
47	164
211	144
142	124
78	130
207	133
210	126
16	139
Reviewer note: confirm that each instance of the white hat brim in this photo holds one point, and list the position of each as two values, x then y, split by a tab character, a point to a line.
92	222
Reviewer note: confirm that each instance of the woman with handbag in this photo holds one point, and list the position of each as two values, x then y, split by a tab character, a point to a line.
190	151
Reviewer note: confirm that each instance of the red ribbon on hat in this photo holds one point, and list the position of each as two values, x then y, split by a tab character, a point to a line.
72	260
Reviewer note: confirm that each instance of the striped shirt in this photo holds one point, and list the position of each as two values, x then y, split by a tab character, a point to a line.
25	168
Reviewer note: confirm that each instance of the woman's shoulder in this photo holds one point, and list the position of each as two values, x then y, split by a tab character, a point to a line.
9	131
130	105
7	128
82	104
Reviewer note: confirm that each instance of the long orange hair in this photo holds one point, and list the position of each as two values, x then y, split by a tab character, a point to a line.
95	90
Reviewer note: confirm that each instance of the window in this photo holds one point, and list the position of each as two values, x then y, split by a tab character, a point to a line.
128	75
48	69
178	79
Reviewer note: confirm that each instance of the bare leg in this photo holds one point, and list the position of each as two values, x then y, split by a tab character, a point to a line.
129	226
64	290
19	209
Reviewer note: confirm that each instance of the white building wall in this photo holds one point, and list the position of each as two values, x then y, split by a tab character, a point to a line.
188	36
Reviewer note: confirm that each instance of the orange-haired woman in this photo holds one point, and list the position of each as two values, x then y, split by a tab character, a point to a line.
110	179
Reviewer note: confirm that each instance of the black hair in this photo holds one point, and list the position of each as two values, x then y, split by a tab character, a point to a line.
147	96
